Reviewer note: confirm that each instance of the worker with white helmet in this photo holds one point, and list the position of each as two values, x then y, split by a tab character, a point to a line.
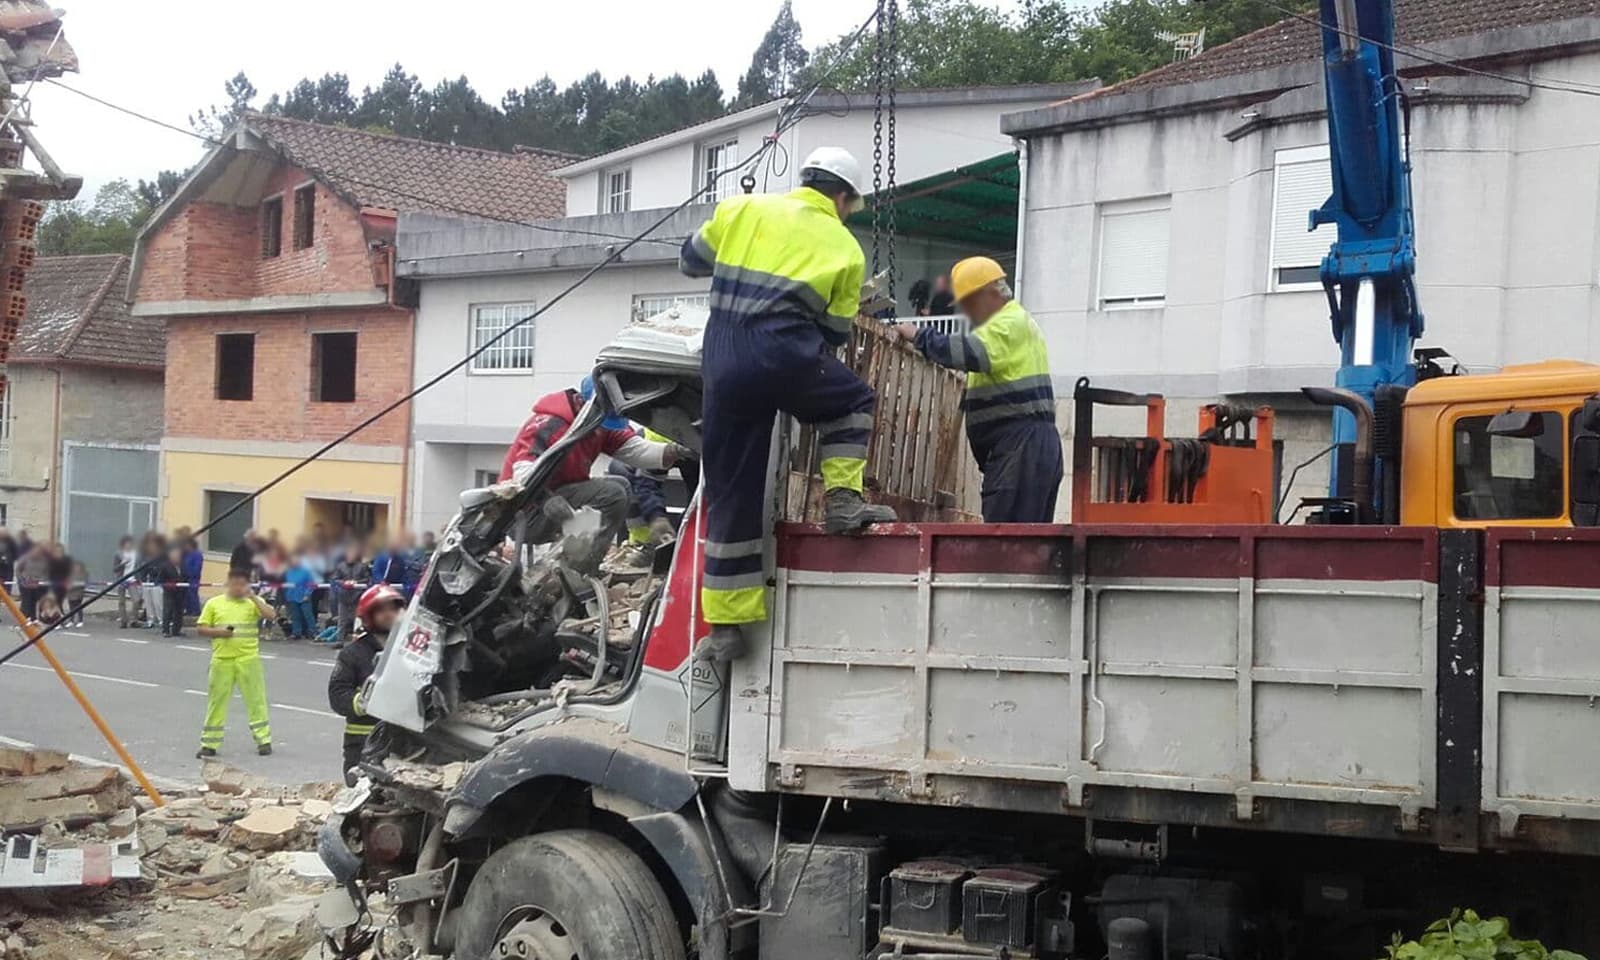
785	287
1010	405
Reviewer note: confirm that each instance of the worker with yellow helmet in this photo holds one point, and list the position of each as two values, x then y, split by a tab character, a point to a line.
1010	406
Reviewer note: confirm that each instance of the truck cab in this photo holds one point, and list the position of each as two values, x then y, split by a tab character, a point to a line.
1497	449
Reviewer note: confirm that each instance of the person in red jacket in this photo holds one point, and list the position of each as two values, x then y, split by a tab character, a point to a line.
551	418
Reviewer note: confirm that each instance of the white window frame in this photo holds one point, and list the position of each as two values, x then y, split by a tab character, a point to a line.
616	190
726	154
484	321
1293	157
1128	208
649	304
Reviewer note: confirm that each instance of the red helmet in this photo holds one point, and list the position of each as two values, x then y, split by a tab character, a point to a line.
378	593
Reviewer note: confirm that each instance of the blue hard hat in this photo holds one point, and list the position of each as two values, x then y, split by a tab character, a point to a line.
613	422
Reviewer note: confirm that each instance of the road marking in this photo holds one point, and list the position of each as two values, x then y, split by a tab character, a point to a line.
322	663
315	713
130	640
72	633
87	676
269	656
185	646
198	693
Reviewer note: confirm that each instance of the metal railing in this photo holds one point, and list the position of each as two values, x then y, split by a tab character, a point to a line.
950	323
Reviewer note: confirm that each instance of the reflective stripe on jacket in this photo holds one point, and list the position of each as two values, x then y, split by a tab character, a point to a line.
777	255
1008	373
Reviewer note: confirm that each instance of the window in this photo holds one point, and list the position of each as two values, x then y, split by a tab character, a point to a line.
305	216
1301	182
514	352
5	514
1133	253
271	227
715	160
485	478
227	534
5	417
236	366
333	367
619	191
1509	478
649	304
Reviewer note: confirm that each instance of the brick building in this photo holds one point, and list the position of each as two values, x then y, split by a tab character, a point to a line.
271	269
80	410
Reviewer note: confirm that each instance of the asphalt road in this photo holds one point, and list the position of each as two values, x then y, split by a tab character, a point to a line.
151	691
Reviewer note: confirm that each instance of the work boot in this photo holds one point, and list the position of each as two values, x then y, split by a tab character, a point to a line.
723	644
847	510
206	753
264	749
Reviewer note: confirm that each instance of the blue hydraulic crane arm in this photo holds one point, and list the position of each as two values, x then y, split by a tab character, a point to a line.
1369	271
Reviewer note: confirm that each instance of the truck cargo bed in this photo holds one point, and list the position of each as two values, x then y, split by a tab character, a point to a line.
1243	675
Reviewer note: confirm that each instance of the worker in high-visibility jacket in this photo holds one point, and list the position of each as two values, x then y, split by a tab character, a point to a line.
1010	406
376	613
785	288
232	620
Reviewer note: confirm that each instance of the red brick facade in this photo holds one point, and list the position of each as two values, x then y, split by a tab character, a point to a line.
212	251
281	408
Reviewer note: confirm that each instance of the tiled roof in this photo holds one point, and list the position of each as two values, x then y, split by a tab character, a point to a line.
401	174
1291	40
76	313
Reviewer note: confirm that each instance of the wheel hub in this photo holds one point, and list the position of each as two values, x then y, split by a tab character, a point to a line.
536	935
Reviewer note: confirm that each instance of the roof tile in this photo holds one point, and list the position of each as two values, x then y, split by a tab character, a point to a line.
402	174
1293	40
76	313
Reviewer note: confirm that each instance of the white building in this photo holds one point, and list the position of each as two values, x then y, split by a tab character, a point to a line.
475	277
1165	244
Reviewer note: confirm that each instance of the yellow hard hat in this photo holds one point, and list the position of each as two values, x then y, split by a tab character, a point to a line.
973	274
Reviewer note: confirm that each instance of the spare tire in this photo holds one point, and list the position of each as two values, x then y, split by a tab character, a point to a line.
566	895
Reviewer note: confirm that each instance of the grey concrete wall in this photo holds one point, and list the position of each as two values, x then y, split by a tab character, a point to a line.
98	405
1508	222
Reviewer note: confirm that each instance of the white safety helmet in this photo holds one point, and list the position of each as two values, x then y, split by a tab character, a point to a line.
837	162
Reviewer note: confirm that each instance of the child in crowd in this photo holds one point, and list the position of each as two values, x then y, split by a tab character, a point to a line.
172	594
299	584
350	576
76	585
124	562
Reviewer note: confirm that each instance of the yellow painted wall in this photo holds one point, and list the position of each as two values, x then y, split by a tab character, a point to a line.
187	476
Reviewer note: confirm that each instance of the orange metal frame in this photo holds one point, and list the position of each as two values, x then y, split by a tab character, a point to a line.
1237	485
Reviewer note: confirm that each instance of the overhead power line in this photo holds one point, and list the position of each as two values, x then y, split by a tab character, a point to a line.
786	119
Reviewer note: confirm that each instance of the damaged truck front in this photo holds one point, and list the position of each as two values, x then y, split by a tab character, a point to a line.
970	740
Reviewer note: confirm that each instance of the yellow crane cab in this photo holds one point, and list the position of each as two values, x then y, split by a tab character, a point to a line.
1520	447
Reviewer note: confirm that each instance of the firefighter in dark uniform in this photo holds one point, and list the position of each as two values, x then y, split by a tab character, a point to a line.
376	612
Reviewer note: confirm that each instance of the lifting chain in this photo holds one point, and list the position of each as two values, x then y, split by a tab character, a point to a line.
877	133
892	72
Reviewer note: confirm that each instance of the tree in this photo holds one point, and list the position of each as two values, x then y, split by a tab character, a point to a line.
158	191
395	106
109	224
214	121
324	101
777	62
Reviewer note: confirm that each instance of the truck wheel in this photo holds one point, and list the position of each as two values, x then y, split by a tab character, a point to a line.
566	895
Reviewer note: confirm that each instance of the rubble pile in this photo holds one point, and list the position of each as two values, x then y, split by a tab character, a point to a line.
225	869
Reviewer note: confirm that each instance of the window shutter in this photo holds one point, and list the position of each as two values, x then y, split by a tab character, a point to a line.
1133	254
1303	182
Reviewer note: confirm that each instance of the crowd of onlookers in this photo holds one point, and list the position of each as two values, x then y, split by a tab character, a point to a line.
313	582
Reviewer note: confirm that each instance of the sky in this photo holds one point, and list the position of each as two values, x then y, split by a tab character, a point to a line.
170	58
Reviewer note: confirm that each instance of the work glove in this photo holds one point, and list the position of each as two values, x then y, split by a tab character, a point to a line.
661	531
678	453
363	697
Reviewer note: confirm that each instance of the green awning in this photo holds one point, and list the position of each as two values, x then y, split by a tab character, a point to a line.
975	205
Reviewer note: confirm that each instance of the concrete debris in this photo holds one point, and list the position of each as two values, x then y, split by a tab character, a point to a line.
422	776
225	870
281	931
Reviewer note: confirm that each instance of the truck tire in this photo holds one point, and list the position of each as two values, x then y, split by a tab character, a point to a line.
566	895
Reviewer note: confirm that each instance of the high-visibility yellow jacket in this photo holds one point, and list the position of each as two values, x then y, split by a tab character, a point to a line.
779	255
1008	373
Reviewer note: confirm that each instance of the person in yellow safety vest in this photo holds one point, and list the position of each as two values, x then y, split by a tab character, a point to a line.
376	613
1010	405
232	620
785	289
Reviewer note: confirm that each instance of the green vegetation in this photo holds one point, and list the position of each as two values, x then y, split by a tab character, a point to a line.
1465	936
